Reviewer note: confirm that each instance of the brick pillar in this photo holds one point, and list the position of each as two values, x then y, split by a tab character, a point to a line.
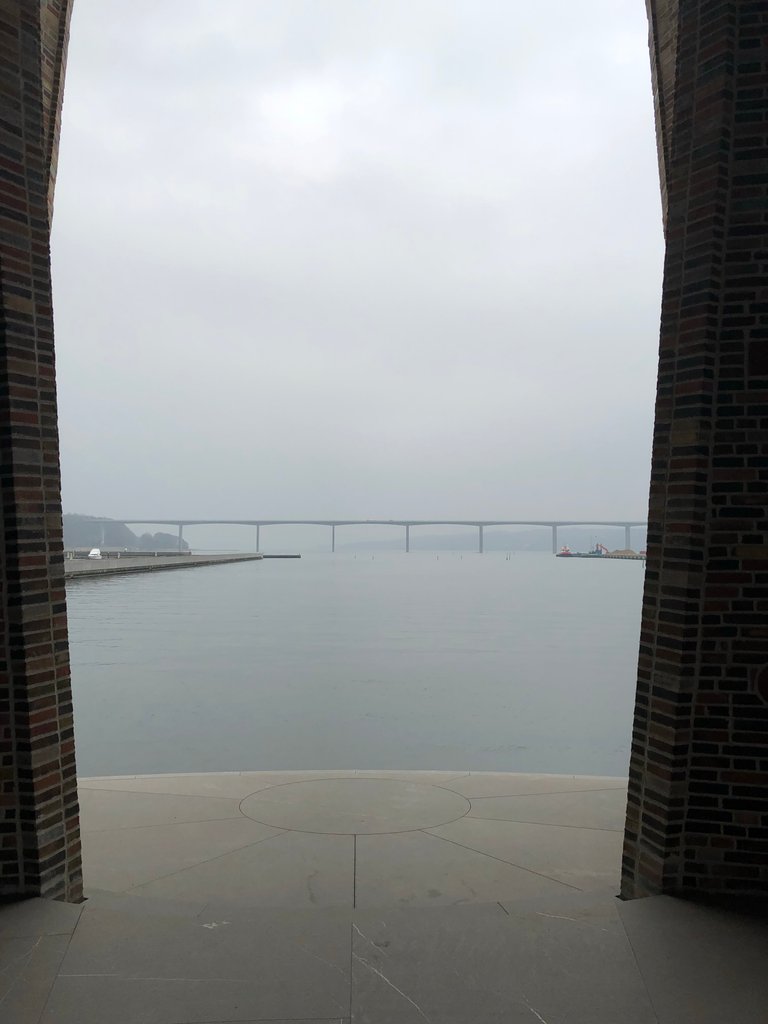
697	817
39	833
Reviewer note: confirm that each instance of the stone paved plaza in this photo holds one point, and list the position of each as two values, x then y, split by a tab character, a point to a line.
375	897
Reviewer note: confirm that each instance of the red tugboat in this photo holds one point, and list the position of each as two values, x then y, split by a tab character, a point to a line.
564	552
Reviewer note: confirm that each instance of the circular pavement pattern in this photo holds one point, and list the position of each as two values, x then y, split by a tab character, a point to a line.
355	806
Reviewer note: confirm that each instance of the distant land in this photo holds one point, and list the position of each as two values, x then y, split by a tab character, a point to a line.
579	538
82	532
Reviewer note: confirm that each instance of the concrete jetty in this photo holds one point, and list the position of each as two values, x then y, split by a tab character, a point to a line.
75	568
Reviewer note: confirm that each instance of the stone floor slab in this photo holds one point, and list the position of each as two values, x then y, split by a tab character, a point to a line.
355	806
290	870
433	778
127	1001
422	869
37	917
477	921
25	983
123	968
110	809
583	858
481	784
478	965
230	785
13	954
602	808
123	858
130	903
702	964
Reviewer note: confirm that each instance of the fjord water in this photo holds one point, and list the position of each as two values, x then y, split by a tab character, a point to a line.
391	661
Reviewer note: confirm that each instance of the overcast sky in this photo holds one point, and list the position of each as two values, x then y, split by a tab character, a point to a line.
366	258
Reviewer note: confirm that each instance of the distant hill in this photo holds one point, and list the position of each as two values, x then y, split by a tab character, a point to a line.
82	532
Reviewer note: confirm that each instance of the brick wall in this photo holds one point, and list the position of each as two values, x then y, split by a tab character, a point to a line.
39	836
697	818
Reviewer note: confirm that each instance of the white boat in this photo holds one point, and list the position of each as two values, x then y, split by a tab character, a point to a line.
94	553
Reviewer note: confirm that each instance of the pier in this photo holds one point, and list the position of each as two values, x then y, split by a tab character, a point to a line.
119	563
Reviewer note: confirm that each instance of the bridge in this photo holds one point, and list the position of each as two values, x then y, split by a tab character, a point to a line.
479	524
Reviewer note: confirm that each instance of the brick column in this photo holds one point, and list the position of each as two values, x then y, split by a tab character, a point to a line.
39	834
697	818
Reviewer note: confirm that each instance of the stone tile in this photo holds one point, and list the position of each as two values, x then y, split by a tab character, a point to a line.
584	858
122	968
230	785
291	870
568	905
38	917
101	809
123	858
427	777
588	809
14	952
480	784
475	965
125	1001
702	964
355	805
421	869
26	976
130	903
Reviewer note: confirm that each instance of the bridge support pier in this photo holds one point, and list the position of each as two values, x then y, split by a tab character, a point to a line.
181	538
480	540
407	539
258	538
333	540
627	535
554	540
103	541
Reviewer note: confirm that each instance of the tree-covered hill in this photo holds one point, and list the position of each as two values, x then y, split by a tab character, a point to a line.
83	532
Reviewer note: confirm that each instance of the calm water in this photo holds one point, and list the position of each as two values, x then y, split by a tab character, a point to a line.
397	661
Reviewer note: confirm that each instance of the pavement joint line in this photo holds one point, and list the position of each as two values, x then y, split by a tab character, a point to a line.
351	966
554	792
149	792
354	871
646	986
387	832
57	974
548	824
501	860
207	860
163	824
364	835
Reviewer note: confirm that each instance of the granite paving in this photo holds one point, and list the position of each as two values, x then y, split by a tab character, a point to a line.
369	898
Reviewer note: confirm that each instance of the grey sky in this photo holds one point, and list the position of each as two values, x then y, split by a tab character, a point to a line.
357	258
